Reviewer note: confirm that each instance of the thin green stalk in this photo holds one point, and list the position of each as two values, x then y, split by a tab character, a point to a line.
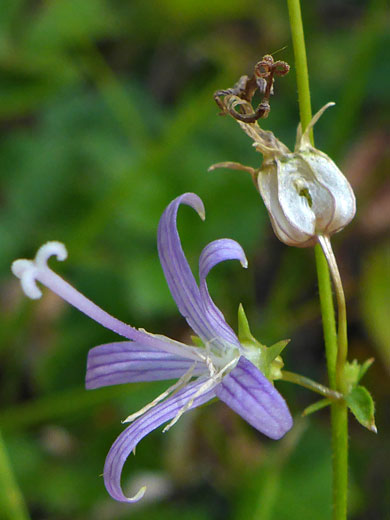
327	312
13	506
310	384
294	10
342	352
339	417
324	283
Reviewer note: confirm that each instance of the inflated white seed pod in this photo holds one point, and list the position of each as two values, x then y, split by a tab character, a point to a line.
305	193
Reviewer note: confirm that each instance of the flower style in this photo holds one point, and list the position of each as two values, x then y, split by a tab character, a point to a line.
305	193
222	367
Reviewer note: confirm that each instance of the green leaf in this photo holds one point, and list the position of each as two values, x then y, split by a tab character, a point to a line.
354	371
362	406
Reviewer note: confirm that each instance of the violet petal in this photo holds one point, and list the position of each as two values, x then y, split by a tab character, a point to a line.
214	253
129	438
179	276
130	362
249	393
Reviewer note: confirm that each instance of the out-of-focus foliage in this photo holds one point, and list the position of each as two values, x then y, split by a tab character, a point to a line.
106	114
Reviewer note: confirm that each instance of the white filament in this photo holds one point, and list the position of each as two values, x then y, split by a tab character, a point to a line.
180	383
208	385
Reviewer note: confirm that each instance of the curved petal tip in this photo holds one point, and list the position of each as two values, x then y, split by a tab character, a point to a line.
137	496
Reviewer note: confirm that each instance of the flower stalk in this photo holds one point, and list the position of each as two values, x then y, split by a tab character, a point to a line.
308	383
335	346
342	351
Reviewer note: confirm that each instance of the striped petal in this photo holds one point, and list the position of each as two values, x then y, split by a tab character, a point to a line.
249	393
129	438
214	253
180	279
130	362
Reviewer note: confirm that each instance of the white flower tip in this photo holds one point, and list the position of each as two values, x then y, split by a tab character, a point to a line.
201	212
198	206
244	262
20	266
129	419
49	249
28	270
373	428
138	495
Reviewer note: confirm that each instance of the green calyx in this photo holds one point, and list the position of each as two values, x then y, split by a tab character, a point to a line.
266	359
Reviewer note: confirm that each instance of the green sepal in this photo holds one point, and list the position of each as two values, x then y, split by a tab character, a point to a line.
197	341
318	405
244	334
362	406
275	350
266	359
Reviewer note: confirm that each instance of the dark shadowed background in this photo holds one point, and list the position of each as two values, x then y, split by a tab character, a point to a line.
106	115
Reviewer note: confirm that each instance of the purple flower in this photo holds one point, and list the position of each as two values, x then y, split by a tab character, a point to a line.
222	367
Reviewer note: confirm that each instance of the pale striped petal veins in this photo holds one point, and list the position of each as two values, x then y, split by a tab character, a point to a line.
249	393
130	362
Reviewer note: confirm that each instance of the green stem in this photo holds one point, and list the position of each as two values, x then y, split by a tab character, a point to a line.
327	312
294	10
342	351
13	506
339	418
335	354
310	384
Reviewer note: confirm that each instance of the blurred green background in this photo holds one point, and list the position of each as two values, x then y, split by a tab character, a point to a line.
106	115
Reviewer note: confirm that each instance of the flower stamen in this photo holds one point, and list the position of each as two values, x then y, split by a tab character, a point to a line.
180	383
212	381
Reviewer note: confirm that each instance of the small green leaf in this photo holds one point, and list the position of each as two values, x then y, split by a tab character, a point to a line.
354	371
364	367
362	406
316	406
